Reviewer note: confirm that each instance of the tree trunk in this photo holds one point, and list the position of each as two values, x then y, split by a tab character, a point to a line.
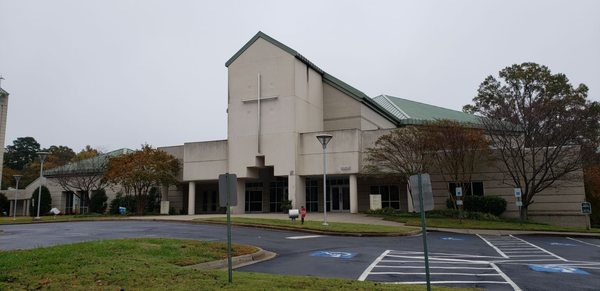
141	204
523	212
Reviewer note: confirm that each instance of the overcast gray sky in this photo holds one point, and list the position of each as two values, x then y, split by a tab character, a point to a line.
120	73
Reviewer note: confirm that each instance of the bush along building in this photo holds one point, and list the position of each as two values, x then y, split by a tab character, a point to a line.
279	102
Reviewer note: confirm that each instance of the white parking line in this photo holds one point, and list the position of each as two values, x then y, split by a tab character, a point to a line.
453	274
410	264
584	242
303	236
364	275
505	277
548	252
430	267
495	248
448	282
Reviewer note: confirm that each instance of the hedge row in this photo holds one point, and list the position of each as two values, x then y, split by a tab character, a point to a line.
487	204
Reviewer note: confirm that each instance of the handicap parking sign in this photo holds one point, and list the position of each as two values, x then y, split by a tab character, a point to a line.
558	269
332	254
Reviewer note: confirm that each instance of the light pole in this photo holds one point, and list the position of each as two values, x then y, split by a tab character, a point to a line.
42	156
324	140
17	178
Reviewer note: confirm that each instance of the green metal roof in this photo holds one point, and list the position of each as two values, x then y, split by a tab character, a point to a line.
412	112
397	110
92	165
2	92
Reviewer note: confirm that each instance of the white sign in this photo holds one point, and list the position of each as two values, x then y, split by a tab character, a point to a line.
375	201
517	192
458	191
413	181
459	202
519	203
164	207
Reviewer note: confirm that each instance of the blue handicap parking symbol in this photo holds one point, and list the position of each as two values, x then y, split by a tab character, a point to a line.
452	238
558	269
331	254
562	244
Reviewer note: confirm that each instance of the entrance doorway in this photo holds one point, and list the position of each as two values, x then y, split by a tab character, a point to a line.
278	192
340	198
254	197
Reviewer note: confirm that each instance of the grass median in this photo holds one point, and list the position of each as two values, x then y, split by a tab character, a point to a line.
485	224
57	218
150	264
334	227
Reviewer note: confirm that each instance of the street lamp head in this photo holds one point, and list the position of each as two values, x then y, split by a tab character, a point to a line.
17	177
324	139
43	155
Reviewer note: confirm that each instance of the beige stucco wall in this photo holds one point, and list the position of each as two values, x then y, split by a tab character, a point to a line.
292	102
3	113
204	160
343	153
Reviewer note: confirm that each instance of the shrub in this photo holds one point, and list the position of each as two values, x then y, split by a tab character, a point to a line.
121	200
4	205
494	204
151	205
45	204
98	201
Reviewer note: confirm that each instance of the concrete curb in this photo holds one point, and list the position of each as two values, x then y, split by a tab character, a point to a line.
237	262
332	233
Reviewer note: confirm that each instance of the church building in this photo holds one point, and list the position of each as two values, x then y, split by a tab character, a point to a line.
278	103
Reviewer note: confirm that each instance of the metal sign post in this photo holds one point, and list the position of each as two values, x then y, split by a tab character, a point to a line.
229	266
586	208
228	185
421	183
459	202
424	230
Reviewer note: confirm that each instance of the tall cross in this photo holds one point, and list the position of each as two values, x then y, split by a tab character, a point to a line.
1	78
259	99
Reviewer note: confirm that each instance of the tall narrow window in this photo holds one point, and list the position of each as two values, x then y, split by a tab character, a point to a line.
390	195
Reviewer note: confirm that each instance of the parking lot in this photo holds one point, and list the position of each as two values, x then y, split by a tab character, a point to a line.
518	262
520	257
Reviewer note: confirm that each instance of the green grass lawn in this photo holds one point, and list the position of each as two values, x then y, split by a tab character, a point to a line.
316	225
29	219
150	264
484	224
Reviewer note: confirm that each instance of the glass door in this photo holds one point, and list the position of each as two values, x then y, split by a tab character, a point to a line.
253	197
340	198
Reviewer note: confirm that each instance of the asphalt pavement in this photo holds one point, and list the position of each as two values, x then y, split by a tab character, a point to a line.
492	262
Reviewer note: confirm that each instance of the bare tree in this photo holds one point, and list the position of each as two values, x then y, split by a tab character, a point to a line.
81	177
456	150
402	152
537	123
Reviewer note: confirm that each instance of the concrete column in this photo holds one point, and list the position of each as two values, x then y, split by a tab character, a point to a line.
192	198
241	198
353	194
26	206
297	191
